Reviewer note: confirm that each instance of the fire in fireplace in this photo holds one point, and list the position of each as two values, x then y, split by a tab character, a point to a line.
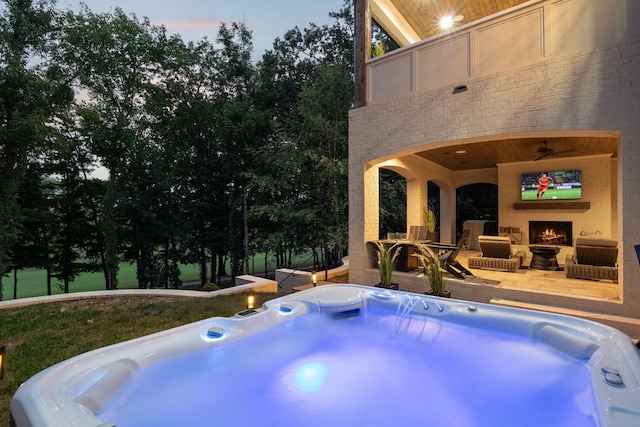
550	233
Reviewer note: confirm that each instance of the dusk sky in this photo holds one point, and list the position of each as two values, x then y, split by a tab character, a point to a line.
194	19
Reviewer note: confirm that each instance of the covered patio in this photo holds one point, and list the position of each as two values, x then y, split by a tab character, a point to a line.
500	160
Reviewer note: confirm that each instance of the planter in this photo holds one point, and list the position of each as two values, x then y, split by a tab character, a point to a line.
392	286
444	294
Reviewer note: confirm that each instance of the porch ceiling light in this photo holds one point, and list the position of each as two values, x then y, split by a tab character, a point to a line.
447	21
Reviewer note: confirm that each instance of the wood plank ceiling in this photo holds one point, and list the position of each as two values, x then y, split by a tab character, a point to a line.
424	15
484	155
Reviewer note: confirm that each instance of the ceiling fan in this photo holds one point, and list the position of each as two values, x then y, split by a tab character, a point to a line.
544	151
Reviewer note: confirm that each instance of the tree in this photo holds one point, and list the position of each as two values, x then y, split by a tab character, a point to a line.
324	106
36	219
113	57
30	94
210	156
241	129
476	201
393	203
57	202
73	236
310	76
184	110
381	43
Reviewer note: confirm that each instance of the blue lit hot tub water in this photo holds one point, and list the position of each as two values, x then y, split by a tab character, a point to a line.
345	355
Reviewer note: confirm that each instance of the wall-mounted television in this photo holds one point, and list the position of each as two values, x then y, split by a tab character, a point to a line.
559	185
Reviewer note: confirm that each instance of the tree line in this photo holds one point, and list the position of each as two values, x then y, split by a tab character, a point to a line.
212	158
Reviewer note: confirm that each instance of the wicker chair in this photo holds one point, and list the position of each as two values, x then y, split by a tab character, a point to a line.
418	233
594	258
497	254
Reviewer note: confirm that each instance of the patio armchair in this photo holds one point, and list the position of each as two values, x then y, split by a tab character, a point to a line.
447	255
420	233
594	258
497	254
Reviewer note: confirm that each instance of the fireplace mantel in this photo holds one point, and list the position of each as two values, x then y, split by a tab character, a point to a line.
552	204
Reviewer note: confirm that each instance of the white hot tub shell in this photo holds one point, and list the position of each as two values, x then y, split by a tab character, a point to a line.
76	391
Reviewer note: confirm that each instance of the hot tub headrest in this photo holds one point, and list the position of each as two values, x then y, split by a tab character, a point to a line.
567	343
97	396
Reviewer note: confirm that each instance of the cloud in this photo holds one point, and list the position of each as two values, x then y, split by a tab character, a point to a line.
194	23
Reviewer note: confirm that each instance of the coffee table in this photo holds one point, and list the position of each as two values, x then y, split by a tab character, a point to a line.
544	257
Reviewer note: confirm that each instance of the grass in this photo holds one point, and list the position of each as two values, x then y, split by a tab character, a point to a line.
42	335
33	282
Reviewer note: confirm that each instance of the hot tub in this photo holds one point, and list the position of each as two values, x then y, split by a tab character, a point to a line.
343	355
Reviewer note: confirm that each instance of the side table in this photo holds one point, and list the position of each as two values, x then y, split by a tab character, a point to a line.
544	257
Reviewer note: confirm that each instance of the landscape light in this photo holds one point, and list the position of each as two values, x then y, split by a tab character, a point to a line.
1	362
314	278
251	301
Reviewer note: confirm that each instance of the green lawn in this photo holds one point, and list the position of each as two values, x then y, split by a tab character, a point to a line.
33	282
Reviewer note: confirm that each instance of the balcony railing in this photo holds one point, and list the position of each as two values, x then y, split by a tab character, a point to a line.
514	38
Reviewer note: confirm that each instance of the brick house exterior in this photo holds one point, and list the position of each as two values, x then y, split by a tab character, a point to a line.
587	90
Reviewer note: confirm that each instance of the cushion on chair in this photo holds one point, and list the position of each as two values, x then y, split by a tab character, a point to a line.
495	246
596	251
502	264
590	272
595	241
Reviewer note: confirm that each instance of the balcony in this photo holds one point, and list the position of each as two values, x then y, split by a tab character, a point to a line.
514	38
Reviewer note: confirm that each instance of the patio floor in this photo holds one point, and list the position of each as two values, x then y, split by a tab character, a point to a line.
545	281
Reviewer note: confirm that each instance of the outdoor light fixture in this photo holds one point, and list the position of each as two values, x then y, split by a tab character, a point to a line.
1	362
314	278
458	89
251	301
447	21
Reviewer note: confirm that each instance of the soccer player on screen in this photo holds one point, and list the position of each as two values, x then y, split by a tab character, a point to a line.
543	185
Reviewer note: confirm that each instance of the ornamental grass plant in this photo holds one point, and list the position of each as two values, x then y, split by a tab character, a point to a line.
434	269
386	256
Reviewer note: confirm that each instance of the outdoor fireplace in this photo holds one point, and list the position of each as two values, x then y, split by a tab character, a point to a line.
550	233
